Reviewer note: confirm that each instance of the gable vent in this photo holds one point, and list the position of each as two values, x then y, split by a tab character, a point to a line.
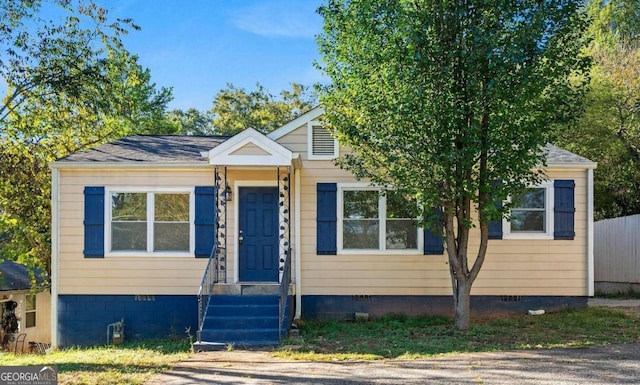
322	142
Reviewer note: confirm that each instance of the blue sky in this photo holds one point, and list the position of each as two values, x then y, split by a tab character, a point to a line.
198	46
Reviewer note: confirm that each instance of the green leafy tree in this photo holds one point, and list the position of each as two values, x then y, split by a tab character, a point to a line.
614	19
191	122
609	130
443	99
235	109
70	85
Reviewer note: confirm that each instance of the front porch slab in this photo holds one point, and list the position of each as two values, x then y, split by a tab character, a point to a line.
250	288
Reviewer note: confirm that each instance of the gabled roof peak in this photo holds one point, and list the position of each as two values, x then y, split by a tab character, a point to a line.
269	152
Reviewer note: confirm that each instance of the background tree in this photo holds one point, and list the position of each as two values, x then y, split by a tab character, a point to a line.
191	122
70	85
618	19
235	109
609	130
442	99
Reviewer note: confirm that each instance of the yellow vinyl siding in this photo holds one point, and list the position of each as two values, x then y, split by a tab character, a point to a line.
42	331
120	275
249	149
296	141
131	274
512	267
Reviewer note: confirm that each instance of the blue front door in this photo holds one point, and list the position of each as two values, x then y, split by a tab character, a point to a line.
258	234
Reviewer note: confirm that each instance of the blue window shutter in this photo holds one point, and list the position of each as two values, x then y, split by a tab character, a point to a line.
563	209
433	241
326	219
94	222
205	221
495	227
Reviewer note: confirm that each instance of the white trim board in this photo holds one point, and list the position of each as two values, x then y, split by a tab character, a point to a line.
549	217
275	153
108	253
236	215
296	123
55	253
382	250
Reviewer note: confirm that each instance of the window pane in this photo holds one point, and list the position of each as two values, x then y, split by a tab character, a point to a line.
171	227
402	229
361	204
172	207
30	303
30	311
127	236
30	319
531	221
171	236
129	207
398	206
532	198
402	234
360	234
128	221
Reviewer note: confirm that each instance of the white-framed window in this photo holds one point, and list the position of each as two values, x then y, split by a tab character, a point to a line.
369	220
30	311
532	214
150	221
321	144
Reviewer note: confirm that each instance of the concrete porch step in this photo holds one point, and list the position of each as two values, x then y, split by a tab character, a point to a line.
250	288
203	346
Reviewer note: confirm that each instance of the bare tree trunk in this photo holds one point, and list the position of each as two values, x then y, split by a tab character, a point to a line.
462	304
462	278
460	283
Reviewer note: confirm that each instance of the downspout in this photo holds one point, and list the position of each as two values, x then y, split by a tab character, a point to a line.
590	235
55	180
297	249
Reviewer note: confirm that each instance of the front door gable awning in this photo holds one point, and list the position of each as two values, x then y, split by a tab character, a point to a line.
250	148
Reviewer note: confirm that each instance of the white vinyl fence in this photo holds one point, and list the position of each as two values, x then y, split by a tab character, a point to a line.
617	254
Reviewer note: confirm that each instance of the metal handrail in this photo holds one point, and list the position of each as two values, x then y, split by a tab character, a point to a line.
284	292
209	279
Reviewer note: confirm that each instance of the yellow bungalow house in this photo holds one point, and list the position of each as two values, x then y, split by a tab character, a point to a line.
235	236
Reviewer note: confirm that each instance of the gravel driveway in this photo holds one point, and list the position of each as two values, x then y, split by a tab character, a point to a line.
612	364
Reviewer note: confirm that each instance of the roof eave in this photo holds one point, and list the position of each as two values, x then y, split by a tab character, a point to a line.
128	165
7	291
571	165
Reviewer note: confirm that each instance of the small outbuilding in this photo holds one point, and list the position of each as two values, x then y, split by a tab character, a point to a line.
25	308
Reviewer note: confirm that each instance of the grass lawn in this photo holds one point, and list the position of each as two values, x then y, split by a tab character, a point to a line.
130	363
422	337
385	338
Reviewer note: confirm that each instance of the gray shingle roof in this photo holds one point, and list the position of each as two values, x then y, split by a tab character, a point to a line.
560	155
14	276
150	148
182	148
